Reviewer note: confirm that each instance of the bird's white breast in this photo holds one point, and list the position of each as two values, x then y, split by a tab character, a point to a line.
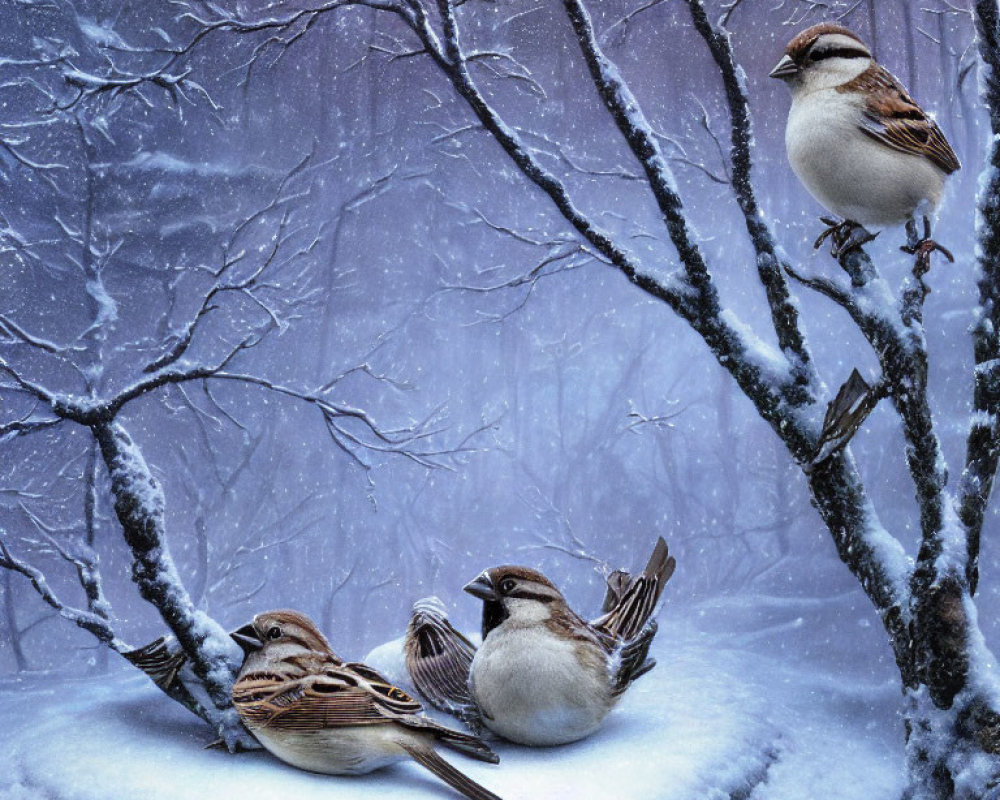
350	750
850	173
533	689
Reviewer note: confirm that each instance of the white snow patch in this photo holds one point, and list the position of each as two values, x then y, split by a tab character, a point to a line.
715	716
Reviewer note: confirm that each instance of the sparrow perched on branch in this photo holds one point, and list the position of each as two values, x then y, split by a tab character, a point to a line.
543	675
859	143
315	712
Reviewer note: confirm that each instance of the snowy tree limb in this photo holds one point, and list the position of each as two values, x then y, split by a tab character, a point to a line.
983	441
784	312
93	623
894	329
19	427
139	504
247	285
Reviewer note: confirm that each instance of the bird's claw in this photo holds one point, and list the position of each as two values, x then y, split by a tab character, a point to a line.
922	247
844	235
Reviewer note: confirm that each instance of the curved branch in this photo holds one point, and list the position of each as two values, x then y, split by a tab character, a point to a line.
93	623
632	123
729	340
452	62
784	312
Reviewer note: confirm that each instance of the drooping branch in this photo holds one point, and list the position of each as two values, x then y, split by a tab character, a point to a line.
15	333
19	427
93	623
729	343
452	62
74	550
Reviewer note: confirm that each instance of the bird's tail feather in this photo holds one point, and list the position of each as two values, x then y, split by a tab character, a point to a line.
459	781
468	745
633	601
161	660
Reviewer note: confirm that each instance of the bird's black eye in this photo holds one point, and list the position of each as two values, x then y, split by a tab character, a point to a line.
274	632
507	585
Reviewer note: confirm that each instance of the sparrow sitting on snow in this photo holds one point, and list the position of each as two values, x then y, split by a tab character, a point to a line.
543	675
859	143
313	711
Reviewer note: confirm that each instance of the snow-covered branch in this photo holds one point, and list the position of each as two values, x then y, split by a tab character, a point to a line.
983	441
94	623
784	312
139	504
19	427
894	329
254	283
15	333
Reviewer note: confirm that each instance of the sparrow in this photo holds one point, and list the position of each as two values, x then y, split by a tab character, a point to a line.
543	675
859	143
314	711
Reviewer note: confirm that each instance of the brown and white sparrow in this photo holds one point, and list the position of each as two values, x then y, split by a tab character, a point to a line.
543	675
858	142
315	712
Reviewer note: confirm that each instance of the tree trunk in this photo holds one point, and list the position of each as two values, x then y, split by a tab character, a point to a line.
950	698
952	723
139	504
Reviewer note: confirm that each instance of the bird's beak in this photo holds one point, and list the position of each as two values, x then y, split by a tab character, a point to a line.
482	587
784	69
247	638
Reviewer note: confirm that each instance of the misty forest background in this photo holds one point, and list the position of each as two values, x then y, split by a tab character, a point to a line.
537	407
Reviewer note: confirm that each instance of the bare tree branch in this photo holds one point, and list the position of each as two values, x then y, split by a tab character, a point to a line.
93	623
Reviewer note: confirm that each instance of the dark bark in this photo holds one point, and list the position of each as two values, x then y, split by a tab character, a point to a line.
139	505
983	444
784	312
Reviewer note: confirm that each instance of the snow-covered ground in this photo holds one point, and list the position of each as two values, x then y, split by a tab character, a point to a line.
729	712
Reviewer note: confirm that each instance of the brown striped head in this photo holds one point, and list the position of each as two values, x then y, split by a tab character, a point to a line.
826	48
519	592
283	629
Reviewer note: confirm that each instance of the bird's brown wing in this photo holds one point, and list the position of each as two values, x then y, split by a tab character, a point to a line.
438	659
332	699
631	659
366	672
892	117
341	697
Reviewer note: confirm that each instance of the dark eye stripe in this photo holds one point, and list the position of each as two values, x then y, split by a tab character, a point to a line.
526	594
839	52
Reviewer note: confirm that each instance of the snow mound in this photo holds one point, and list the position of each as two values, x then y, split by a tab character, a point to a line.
711	722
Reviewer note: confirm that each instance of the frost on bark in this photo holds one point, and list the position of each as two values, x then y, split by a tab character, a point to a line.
925	599
58	124
139	504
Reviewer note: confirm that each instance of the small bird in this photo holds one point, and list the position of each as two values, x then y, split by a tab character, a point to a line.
543	675
318	713
859	143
